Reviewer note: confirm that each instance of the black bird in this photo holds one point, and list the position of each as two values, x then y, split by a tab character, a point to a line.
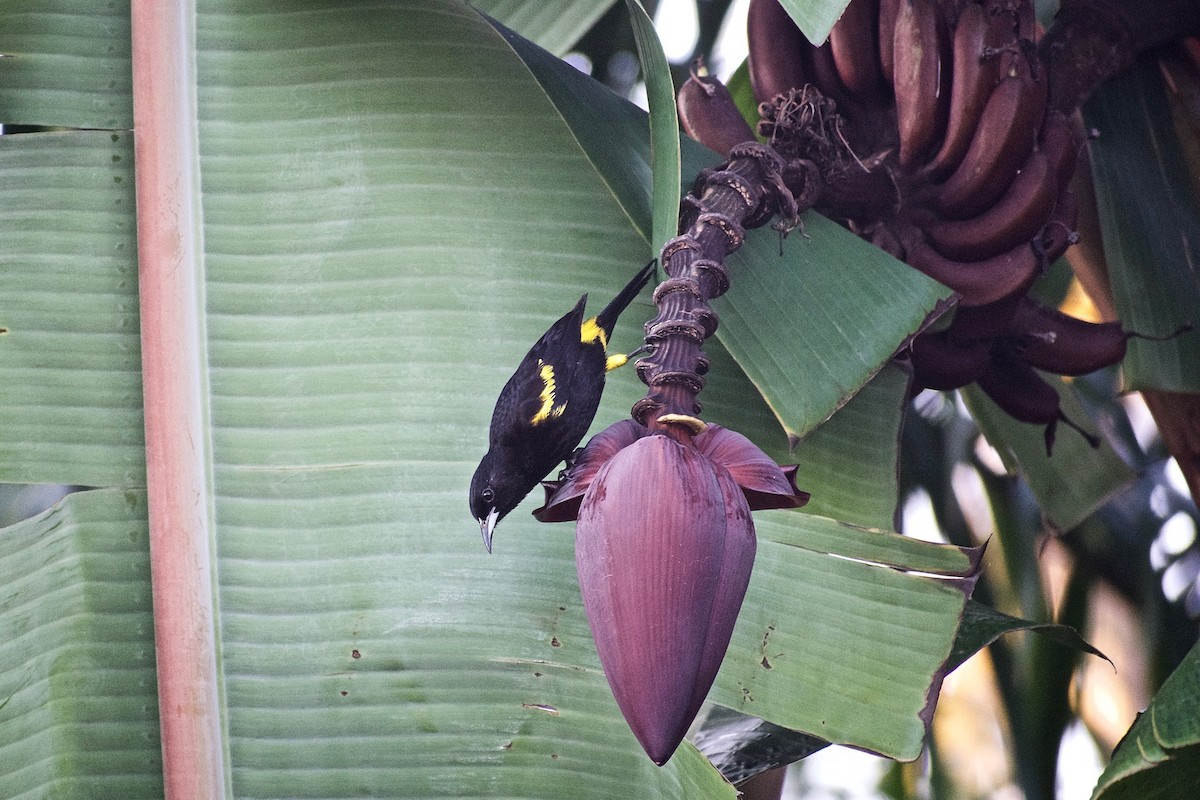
547	406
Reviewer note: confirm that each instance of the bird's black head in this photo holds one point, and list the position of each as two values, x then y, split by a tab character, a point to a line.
496	489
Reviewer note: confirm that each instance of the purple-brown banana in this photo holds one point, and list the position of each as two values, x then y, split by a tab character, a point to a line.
1052	341
1006	133
943	362
1060	142
978	282
888	9
986	322
709	115
976	70
853	42
1025	395
922	104
776	50
1059	232
1018	216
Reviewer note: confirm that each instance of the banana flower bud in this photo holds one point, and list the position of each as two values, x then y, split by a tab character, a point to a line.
664	548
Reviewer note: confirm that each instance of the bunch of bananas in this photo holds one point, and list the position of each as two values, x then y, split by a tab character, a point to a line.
943	151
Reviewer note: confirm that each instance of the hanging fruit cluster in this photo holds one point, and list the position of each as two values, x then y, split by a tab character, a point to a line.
926	129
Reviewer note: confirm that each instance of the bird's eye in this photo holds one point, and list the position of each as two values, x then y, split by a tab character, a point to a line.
488	495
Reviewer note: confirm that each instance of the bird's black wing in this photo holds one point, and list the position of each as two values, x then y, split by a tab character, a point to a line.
532	394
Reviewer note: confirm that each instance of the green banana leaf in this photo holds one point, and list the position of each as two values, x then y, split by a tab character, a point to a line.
392	208
982	625
70	70
664	127
78	697
815	17
1071	482
68	298
852	478
1159	757
848	464
1151	226
553	26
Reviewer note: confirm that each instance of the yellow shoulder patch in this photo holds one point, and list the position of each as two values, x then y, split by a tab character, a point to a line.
547	410
590	332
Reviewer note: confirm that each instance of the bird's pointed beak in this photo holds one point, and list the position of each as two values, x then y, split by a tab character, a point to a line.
486	526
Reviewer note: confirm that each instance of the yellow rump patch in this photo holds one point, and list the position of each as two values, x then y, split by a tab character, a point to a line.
547	410
619	360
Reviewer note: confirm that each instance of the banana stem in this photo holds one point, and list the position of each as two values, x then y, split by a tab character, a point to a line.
747	191
1091	40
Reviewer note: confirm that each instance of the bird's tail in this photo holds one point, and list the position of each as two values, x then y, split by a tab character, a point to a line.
606	320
